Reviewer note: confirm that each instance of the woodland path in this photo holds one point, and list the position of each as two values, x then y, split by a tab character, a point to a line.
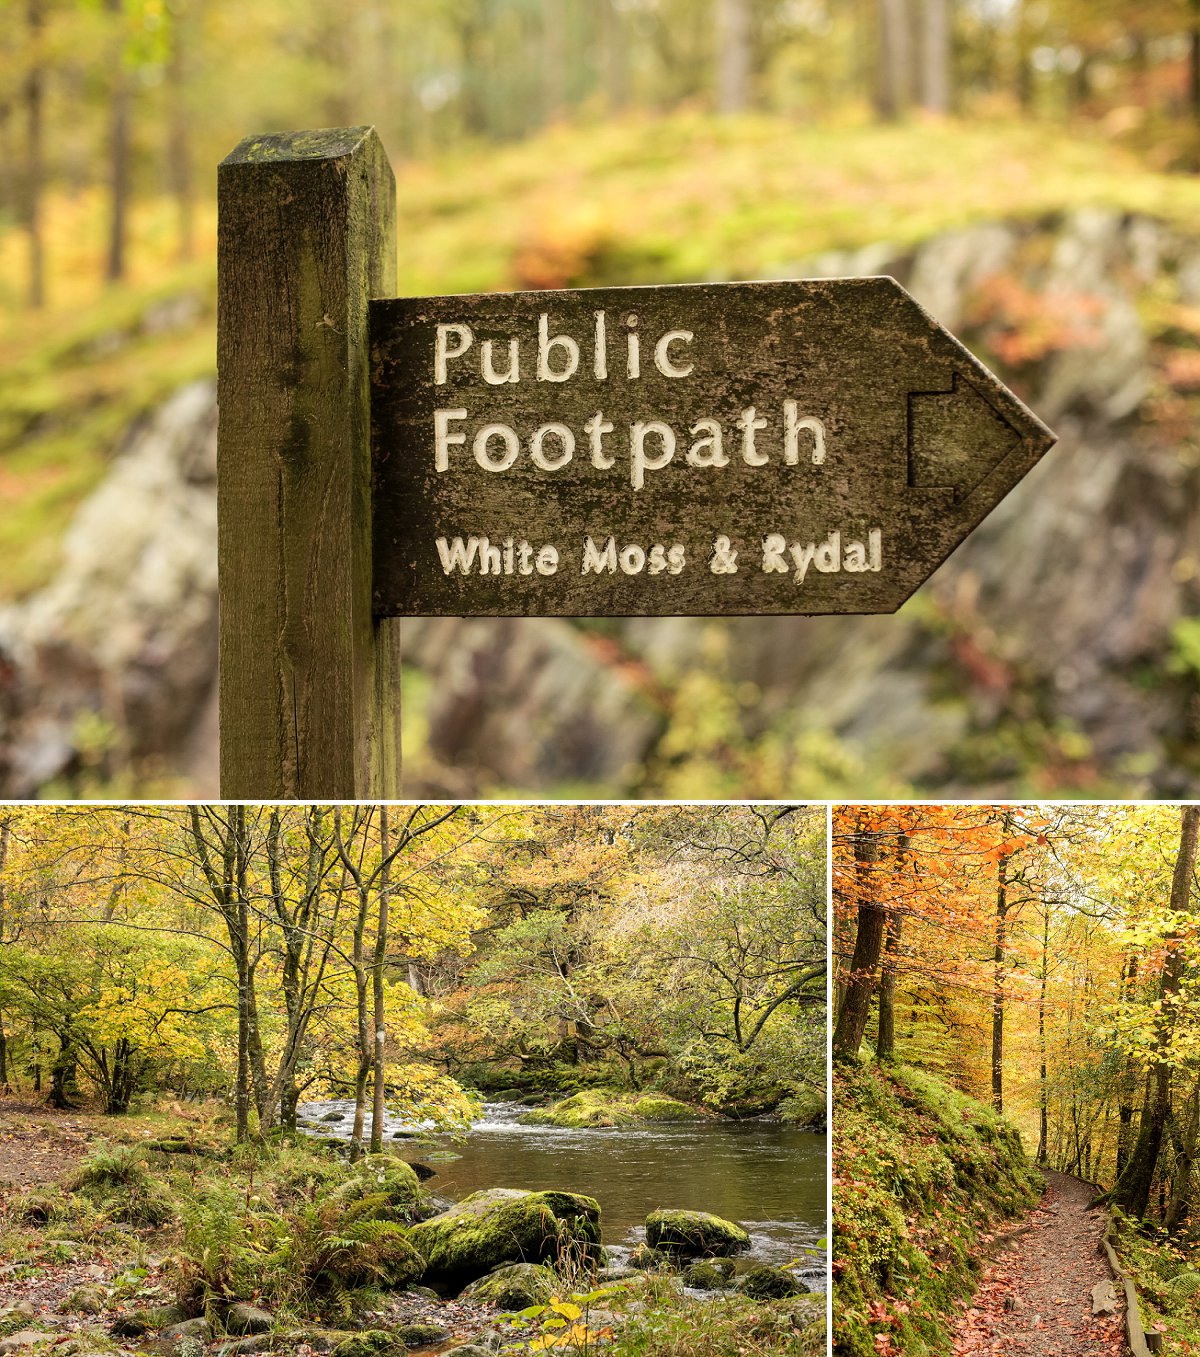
38	1145
1035	1299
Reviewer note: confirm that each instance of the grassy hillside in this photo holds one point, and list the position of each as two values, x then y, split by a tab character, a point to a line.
677	199
920	1172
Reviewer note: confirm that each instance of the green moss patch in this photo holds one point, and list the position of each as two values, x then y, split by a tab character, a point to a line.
597	1107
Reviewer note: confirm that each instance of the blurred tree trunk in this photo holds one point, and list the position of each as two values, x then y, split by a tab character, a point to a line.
179	141
935	57
614	56
470	56
554	59
34	153
733	55
118	143
894	60
1194	61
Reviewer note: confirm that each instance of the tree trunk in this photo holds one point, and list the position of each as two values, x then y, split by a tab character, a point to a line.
1184	1145
894	59
1043	1075
1132	1190
1127	1085
885	1047
1194	62
733	55
614	56
999	957
554	59
34	154
118	150
62	1075
935	57
868	943
179	141
377	964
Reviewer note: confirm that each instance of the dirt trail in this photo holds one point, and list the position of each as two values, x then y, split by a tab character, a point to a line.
38	1145
1035	1300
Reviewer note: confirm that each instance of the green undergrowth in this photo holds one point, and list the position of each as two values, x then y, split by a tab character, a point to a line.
920	1172
1166	1272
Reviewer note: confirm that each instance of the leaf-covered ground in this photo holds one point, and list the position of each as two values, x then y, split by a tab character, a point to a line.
1035	1299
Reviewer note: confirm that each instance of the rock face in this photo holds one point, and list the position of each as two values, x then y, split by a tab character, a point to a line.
127	629
505	1225
1057	649
694	1234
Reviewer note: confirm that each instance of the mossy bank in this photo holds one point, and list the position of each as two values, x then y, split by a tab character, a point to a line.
920	1171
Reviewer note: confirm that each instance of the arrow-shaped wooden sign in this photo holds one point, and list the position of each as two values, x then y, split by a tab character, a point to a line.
789	447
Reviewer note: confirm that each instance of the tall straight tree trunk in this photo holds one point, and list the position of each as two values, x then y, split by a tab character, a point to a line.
118	150
34	153
885	1047
1127	1085
377	964
935	56
1133	1188
1043	1073
1194	61
554	59
733	55
868	943
614	56
999	962
894	65
179	140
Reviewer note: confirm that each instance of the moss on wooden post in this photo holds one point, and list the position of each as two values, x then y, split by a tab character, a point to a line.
309	680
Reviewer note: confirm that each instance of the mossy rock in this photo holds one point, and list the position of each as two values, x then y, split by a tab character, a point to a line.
595	1108
89	1299
694	1234
506	1225
515	1286
763	1282
422	1335
707	1274
646	1259
386	1177
370	1343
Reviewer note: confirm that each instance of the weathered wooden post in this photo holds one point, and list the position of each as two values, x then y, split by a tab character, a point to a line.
309	679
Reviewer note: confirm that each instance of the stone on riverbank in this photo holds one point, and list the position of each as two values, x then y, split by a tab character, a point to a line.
515	1286
505	1225
389	1179
706	1275
694	1234
243	1319
763	1282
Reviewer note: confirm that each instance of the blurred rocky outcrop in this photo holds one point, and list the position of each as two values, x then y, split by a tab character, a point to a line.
1047	655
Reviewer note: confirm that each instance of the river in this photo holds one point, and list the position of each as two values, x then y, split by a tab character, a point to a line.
769	1178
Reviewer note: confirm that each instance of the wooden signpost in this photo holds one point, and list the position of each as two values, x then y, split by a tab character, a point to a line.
719	449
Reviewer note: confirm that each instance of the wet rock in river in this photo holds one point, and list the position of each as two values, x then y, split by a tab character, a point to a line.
694	1234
